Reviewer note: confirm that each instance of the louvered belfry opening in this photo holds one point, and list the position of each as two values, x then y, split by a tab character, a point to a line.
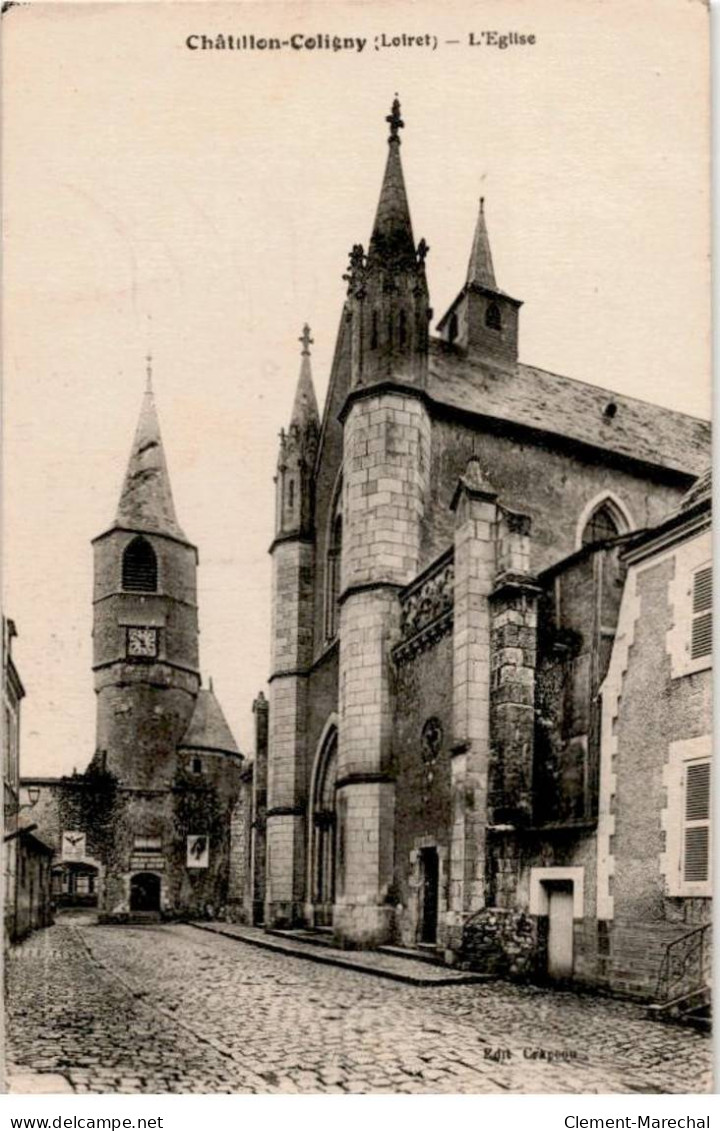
139	567
701	641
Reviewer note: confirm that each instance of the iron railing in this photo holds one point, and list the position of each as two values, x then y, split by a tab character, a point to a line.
687	965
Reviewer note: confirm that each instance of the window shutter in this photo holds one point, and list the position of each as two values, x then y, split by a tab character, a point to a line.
697	853
696	846
697	792
702	590
701	635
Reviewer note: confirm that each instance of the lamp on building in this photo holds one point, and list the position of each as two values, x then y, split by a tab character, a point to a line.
33	793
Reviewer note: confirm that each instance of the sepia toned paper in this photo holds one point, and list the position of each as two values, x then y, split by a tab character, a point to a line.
183	183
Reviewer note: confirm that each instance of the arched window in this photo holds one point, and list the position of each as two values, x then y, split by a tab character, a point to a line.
139	567
600	527
492	317
332	583
291	494
374	331
453	329
403	327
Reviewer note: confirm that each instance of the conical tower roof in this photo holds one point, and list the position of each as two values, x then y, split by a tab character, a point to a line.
305	406
208	728
480	267
392	236
146	501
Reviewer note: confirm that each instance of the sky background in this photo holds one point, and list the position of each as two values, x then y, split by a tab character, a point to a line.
201	205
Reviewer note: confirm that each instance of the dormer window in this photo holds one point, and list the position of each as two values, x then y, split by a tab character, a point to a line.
453	328
493	319
139	567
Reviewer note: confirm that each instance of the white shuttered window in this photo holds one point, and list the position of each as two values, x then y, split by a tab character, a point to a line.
696	829
701	631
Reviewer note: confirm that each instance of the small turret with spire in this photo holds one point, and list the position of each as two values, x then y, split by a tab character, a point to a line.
298	448
483	319
388	301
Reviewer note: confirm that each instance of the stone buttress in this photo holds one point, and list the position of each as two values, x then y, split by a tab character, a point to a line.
386	467
293	561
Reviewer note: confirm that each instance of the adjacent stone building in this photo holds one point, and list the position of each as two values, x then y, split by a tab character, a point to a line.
654	833
146	829
26	856
448	568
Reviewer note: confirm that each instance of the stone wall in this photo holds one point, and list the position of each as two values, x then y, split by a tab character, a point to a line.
649	708
144	707
503	942
422	737
538	478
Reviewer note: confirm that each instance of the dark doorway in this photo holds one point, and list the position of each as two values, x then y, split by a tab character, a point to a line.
325	861
430	871
145	892
323	834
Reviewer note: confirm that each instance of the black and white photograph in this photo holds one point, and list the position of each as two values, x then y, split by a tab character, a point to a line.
357	567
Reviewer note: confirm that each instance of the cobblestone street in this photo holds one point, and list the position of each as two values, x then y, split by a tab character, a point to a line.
174	1009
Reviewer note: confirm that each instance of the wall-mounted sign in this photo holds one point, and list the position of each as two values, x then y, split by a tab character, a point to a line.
73	846
198	851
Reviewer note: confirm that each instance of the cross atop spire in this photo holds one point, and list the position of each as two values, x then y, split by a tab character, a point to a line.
395	122
306	340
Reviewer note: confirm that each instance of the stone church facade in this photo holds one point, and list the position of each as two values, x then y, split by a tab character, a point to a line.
447	575
146	829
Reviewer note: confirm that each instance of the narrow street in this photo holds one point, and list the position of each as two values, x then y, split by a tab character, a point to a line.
174	1009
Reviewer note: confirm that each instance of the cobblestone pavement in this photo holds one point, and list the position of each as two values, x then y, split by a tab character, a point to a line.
174	1009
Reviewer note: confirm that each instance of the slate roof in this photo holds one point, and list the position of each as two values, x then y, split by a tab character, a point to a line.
305	407
146	501
700	492
208	728
392	234
480	268
565	407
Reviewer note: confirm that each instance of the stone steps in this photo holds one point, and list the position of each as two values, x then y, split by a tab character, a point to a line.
301	944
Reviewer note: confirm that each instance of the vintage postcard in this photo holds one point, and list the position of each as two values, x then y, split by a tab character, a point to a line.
357	604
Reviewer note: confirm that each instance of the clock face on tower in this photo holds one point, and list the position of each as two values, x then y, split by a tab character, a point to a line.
142	642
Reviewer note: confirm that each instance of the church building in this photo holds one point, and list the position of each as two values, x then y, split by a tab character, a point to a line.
146	829
447	574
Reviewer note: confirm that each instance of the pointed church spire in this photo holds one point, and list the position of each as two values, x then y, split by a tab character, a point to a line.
480	267
305	407
146	501
392	237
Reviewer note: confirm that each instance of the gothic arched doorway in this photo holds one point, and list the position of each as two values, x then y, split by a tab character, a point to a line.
145	892
324	832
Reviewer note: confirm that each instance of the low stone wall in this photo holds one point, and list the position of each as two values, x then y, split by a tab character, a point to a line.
499	941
